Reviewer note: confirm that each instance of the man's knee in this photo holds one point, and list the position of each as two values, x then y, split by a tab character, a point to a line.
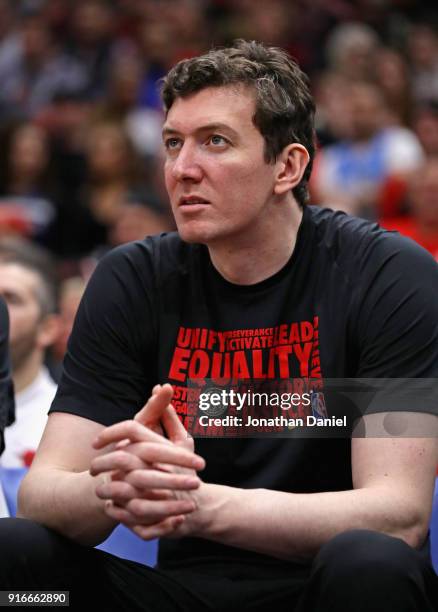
21	536
366	554
365	570
32	552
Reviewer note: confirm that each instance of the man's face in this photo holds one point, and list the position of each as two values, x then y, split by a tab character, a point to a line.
366	110
217	179
18	288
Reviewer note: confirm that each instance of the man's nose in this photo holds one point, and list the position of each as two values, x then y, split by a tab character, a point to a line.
186	166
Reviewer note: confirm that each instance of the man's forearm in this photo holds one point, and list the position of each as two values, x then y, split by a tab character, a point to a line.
65	502
292	526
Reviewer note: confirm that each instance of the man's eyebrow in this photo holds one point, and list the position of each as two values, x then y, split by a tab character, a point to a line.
203	128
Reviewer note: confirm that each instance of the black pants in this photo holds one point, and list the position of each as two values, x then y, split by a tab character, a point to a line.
357	571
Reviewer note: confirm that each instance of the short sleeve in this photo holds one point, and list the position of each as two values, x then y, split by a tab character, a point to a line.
397	310
7	407
109	367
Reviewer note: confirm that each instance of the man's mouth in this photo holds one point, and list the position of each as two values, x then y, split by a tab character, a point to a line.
192	201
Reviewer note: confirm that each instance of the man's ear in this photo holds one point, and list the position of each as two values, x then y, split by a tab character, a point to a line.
48	330
291	164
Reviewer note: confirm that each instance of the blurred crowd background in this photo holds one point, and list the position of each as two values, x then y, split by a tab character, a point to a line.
80	123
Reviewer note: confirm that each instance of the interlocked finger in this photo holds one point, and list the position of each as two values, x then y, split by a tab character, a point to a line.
155	479
159	530
137	455
147	512
117	460
117	491
132	430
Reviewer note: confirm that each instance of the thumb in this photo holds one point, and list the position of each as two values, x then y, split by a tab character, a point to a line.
152	412
173	426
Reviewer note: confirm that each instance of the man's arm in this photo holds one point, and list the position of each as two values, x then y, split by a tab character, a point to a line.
393	483
393	487
58	491
394	308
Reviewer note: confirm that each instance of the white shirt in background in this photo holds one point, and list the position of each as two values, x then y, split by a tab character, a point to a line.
31	408
4	512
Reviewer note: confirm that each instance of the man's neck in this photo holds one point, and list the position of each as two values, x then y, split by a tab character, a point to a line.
26	373
264	255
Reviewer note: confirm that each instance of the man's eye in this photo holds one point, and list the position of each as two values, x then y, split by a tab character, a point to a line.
171	143
218	140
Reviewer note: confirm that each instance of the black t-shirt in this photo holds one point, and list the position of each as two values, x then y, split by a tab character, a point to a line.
353	301
7	406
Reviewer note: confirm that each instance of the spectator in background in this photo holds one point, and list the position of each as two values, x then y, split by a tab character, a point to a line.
273	26
66	121
143	124
93	44
137	220
115	175
350	175
112	172
9	38
422	223
26	181
332	111
392	76
36	70
124	78
423	54
168	32
394	197
70	294
158	46
57	14
426	126
27	285
351	50
187	19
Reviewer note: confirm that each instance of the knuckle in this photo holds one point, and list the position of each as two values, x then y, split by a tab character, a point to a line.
123	459
142	479
136	507
176	506
131	428
122	490
178	481
149	451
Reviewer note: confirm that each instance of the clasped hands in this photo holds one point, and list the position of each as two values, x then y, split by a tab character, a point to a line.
150	482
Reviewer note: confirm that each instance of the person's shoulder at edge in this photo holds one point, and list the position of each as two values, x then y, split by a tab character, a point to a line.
348	239
167	244
156	256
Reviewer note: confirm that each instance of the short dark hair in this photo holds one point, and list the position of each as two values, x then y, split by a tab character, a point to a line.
15	250
284	105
